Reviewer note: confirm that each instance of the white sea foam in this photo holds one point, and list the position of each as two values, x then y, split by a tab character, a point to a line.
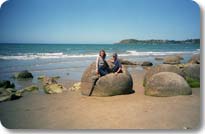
135	53
30	56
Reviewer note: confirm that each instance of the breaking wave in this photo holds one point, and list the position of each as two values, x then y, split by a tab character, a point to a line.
30	56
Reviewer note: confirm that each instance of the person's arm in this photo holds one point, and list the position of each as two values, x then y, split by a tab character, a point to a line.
97	61
111	60
120	68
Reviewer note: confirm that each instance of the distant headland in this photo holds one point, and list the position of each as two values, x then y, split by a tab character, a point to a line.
153	41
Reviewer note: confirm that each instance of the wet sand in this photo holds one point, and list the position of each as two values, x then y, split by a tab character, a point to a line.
71	110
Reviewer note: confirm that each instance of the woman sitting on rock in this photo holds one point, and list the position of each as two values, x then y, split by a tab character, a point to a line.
102	67
117	65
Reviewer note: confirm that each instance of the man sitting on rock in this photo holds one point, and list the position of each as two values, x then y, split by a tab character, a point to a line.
117	65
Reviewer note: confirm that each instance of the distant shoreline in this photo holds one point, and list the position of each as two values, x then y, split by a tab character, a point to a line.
125	41
154	41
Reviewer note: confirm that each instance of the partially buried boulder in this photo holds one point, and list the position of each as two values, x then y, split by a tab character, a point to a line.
108	85
51	86
161	68
167	84
195	59
23	75
172	60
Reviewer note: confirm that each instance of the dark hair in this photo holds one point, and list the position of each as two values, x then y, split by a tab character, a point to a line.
104	53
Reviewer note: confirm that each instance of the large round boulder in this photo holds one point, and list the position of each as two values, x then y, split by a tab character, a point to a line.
161	68
172	60
167	84
108	85
195	59
192	71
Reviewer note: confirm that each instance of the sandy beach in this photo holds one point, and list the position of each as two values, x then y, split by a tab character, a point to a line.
71	110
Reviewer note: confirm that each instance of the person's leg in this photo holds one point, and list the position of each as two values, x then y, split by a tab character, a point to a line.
115	68
102	71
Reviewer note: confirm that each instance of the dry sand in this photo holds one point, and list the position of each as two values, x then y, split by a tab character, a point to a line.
71	110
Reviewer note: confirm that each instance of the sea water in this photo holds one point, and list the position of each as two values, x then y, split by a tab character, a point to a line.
70	60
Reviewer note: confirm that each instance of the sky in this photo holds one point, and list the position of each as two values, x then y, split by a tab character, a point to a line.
97	21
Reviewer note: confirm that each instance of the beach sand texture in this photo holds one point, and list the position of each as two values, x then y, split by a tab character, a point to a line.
71	110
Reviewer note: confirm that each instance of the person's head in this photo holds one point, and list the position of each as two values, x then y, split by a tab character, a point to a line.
114	56
102	53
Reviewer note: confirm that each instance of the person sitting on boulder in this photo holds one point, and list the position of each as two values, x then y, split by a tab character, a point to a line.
117	65
101	65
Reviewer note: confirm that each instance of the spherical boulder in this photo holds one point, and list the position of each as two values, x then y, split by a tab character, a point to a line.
165	84
161	68
172	60
192	71
108	85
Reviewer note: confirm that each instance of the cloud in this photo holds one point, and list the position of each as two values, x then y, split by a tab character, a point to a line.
1	2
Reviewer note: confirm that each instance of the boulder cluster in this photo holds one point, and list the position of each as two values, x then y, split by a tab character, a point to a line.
8	91
173	78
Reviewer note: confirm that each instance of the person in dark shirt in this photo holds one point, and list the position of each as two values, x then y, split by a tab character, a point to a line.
117	65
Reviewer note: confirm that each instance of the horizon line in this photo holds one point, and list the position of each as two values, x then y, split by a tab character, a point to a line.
93	43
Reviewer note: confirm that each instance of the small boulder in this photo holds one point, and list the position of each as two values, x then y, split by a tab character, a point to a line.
146	63
195	59
172	60
53	88
165	84
23	75
161	68
75	87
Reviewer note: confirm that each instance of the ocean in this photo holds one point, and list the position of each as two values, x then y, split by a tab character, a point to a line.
70	60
